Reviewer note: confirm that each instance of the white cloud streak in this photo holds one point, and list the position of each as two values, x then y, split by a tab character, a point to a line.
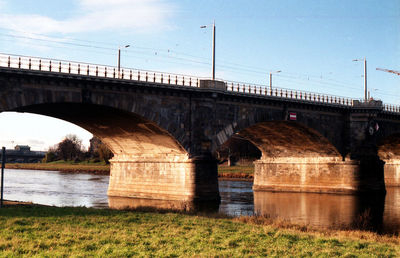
96	15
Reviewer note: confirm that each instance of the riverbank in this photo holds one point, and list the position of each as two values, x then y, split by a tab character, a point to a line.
83	167
235	172
81	231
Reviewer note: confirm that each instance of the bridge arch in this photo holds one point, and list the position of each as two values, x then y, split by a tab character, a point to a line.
128	135
280	138
388	149
296	157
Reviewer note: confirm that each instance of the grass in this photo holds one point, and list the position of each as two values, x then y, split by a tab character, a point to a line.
97	168
236	171
101	168
29	230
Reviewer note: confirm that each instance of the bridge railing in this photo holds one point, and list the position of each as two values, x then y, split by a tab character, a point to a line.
288	93
391	108
62	66
88	69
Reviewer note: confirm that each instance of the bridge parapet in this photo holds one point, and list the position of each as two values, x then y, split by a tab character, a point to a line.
103	71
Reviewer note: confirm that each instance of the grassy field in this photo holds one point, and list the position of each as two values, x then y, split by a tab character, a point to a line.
97	168
100	168
28	230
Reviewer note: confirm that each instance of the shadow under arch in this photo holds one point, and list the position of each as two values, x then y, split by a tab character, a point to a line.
298	158
126	134
149	162
389	152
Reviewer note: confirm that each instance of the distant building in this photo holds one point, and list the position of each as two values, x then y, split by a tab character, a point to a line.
23	154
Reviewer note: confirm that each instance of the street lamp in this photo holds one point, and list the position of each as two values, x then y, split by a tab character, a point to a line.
119	59
270	79
365	77
213	48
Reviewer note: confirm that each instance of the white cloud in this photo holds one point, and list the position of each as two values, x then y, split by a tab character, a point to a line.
96	15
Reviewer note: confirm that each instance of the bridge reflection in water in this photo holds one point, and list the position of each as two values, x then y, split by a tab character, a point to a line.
323	210
167	205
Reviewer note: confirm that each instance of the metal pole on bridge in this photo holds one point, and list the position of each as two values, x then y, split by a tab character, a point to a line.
3	162
119	59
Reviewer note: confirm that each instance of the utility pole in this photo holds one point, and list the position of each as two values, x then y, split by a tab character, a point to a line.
119	60
3	163
365	77
213	48
270	79
213	52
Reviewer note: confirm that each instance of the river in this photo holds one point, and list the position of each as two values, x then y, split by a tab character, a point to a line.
377	213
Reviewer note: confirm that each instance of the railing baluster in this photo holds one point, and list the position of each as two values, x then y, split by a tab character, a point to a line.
79	68
154	77
105	71
130	74
19	62
87	70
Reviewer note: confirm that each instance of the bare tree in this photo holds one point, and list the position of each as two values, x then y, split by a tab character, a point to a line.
70	148
99	150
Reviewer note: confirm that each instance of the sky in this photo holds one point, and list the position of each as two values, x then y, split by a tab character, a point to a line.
312	43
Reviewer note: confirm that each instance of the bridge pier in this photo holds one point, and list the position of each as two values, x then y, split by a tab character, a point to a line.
392	172
306	174
175	178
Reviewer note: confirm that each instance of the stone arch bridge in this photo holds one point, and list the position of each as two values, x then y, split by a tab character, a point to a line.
165	129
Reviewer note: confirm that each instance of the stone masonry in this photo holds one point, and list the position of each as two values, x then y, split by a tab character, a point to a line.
164	137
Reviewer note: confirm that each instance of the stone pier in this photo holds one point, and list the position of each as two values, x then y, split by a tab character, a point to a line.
178	178
392	172
306	174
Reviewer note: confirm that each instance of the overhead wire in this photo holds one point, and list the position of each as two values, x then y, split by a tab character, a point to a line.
193	60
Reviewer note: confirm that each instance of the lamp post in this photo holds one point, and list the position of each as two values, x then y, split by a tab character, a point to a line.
365	77
270	79
213	48
119	59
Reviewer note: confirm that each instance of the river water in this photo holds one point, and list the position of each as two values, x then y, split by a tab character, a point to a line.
376	213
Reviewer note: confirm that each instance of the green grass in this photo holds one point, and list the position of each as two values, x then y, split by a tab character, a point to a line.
236	171
64	166
80	232
87	166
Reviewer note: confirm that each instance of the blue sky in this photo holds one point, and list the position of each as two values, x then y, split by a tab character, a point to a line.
312	42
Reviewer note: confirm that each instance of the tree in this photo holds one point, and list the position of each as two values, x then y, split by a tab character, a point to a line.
98	150
70	148
51	155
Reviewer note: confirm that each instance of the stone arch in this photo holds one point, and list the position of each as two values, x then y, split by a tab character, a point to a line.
128	135
296	157
72	105
389	152
282	139
153	162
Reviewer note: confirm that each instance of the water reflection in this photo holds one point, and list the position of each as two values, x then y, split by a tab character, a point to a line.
136	203
375	212
323	210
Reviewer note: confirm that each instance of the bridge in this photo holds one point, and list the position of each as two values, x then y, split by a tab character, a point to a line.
164	129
